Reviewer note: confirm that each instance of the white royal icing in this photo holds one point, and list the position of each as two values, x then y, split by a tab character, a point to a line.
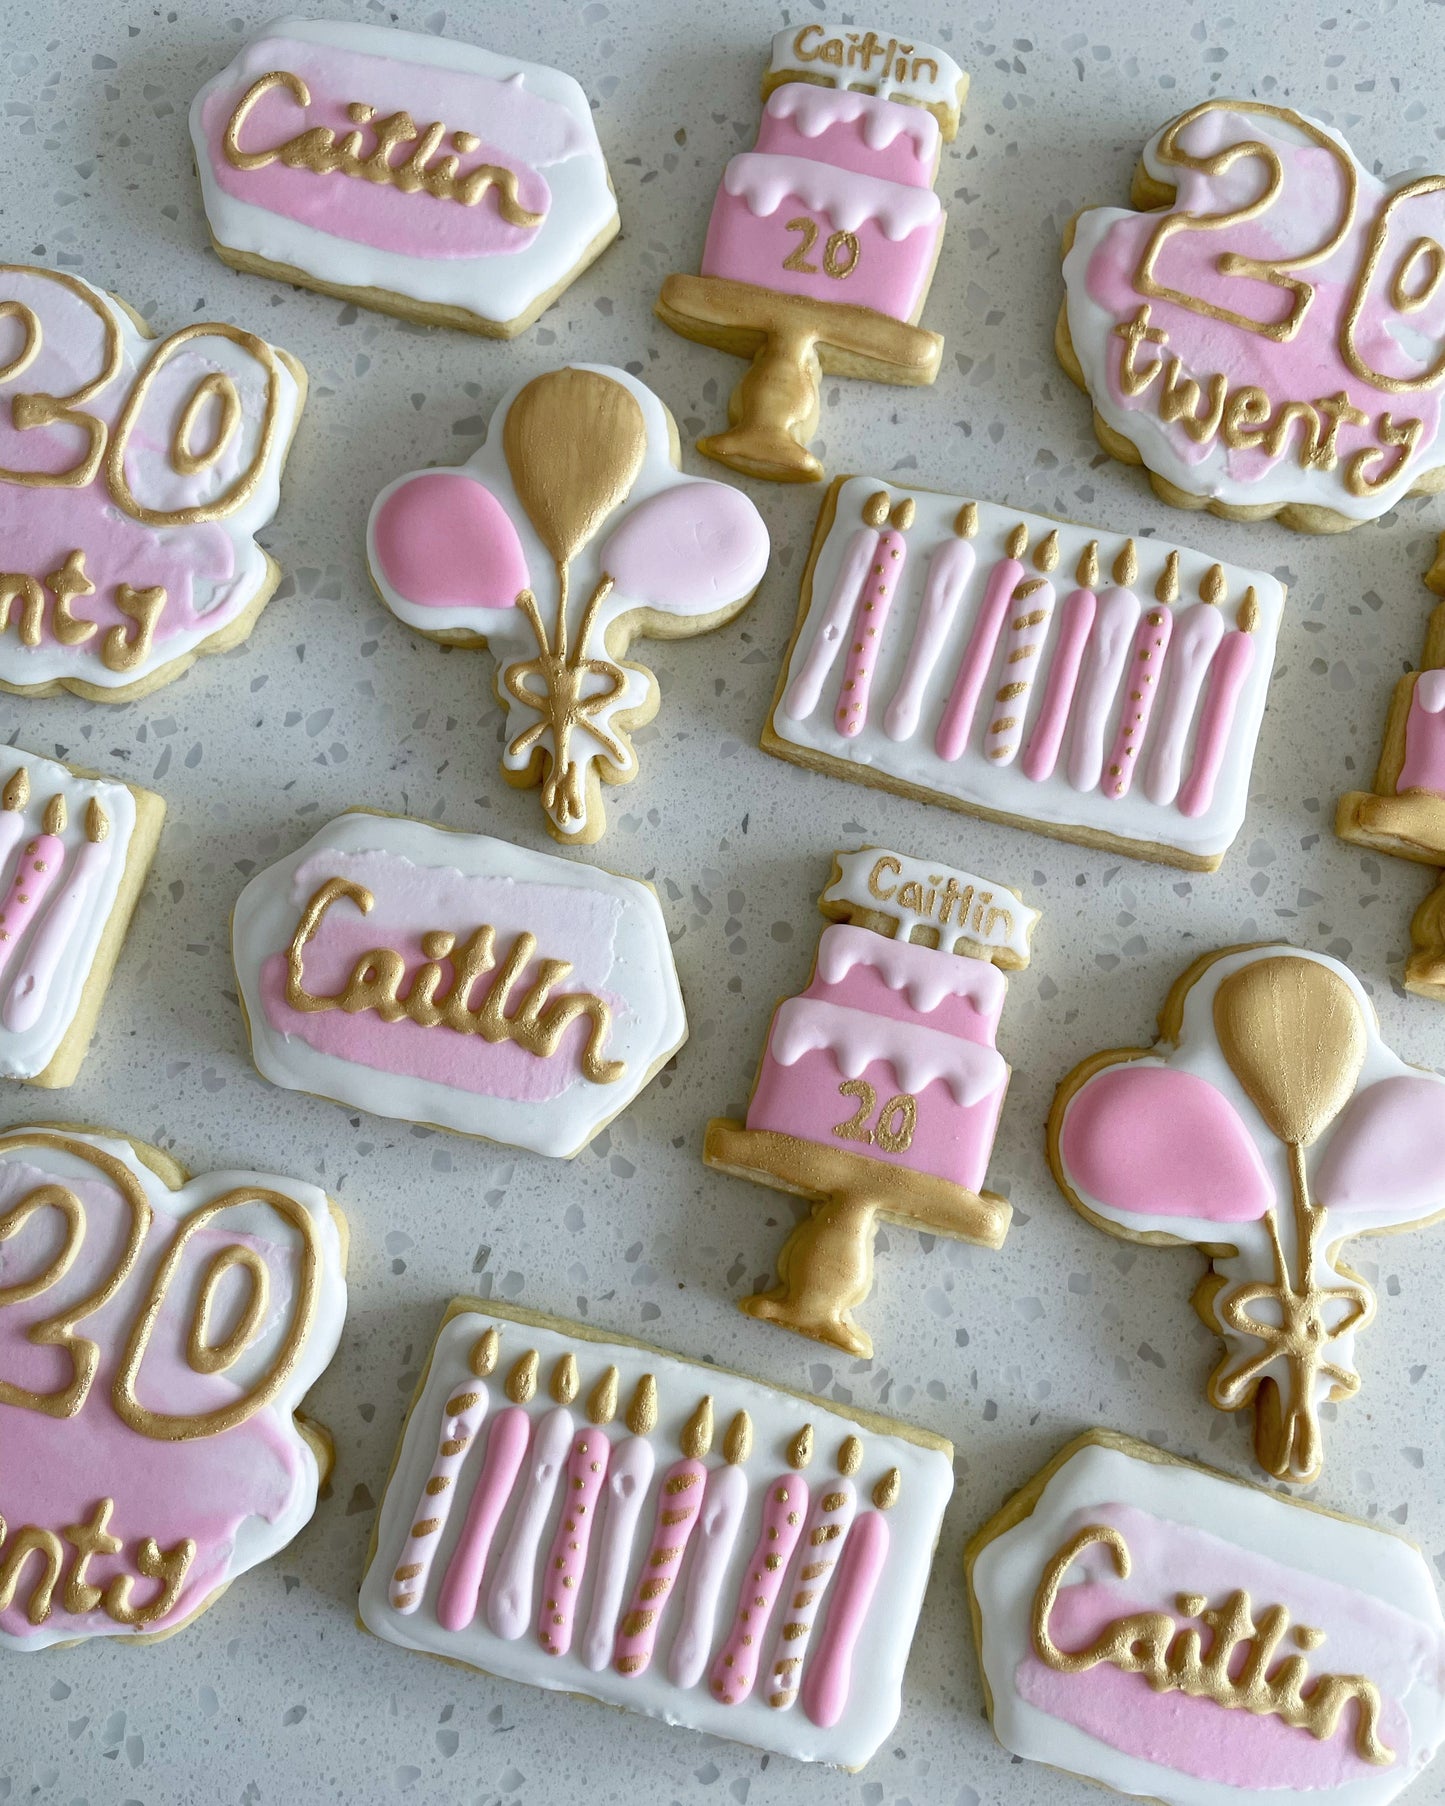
889	66
874	1698
496	288
955	905
857	1039
849	200
814	110
923	978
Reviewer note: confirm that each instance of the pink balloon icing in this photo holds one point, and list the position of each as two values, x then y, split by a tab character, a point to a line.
1387	1152
691	549
1153	1141
442	540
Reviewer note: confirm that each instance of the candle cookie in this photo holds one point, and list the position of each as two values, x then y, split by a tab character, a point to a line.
578	1511
570	533
823	238
134	476
880	1087
404	172
1098	689
1404	815
159	1334
1268	1124
74	853
1264	332
1167	1631
456	980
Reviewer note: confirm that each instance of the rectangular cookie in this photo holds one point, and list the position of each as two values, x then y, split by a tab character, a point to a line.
74	853
1029	671
764	1589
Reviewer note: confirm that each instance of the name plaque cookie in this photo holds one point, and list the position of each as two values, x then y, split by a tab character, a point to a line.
456	980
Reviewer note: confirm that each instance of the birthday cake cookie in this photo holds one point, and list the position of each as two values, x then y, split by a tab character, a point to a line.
580	1512
570	533
823	238
74	853
456	980
405	172
159	1333
1264	331
136	475
1165	1631
880	1085
1026	670
1268	1124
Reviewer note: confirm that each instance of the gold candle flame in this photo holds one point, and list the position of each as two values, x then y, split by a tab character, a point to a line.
642	1412
522	1380
602	1401
483	1358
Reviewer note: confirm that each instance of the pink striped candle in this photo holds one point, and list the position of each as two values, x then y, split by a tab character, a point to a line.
506	1449
679	1502
823	1538
807	687
1076	623
54	939
829	1676
1030	610
949	571
1231	665
973	669
870	618
784	1509
1141	691
581	1494
39	867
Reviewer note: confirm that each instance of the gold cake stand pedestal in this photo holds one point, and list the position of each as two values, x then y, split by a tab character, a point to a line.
792	342
825	1267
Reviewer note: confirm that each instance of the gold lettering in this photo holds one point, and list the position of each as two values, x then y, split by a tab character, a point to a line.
808	31
65	585
1406	435
21	1547
170	1567
16	587
1134	333
144	607
88	1540
886	864
1244	417
1180	401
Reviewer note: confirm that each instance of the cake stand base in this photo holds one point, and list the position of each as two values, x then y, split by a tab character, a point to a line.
825	1267
792	342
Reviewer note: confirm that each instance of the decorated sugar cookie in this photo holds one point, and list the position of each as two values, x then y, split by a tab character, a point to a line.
823	238
134	476
1404	815
1099	689
74	853
582	1513
456	980
1171	1633
880	1086
405	172
570	533
158	1334
1264	332
1267	1125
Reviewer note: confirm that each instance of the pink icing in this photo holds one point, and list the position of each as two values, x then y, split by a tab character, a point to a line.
628	1477
1141	691
736	1668
1158	1141
567	1559
519	131
56	1470
1022	655
689	550
457	1432
829	1676
1197	633
827	643
679	1500
870	620
834	1506
39	867
1076	623
462	1585
1231	666
1114	621
1423	767
957	723
896	978
917	1056
30	989
443	540
509	1602
1386	1152
1199	1737
948	573
854	131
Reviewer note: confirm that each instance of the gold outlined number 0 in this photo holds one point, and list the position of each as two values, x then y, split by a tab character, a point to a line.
838	247
895	1123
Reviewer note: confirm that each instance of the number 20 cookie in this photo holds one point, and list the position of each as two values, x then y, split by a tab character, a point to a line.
1266	332
134	476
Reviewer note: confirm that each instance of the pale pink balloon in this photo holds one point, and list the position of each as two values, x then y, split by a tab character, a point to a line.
443	540
1387	1153
689	550
1153	1141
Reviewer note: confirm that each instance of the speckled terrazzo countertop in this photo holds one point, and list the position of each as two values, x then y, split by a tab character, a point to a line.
276	1696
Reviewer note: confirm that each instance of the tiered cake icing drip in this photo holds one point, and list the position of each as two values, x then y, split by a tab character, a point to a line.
889	1051
834	203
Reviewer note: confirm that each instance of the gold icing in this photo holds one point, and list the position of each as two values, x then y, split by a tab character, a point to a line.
144	607
17	789
522	1380
1017	542
885	1493
696	1438
965	523
184	458
642	1412
34	409
484	1352
602	1400
800	1449
565	1379
66	584
738	1443
1086	575
203	1355
1046	554
850	1455
1166	590
1126	564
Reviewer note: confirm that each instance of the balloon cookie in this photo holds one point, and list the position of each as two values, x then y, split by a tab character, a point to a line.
404	172
1404	814
1170	1633
569	533
1267	1125
1265	333
158	1334
823	238
134	476
880	1087
576	1511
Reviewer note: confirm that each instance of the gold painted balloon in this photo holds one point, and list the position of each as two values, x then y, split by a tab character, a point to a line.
574	442
1293	1035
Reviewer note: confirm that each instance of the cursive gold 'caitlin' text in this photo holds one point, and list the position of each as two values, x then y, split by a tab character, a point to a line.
320	150
538	1025
1171	1657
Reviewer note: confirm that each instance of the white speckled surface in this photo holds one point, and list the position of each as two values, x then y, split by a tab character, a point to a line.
275	1696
